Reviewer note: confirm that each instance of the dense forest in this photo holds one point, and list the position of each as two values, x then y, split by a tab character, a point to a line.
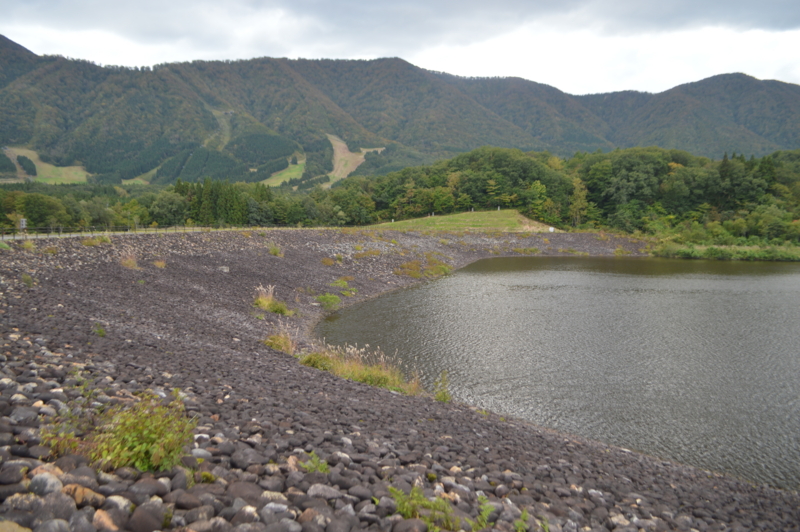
243	120
732	201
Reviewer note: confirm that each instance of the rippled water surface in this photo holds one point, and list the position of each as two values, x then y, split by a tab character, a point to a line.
693	361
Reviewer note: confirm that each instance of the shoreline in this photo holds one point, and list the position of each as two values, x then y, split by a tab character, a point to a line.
192	325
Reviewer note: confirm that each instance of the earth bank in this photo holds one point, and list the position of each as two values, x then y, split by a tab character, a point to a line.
191	324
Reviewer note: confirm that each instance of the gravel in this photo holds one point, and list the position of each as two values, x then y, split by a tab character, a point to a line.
191	325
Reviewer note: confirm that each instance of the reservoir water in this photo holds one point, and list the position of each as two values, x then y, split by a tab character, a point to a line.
692	361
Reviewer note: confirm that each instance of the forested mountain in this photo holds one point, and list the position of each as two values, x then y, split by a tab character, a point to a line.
243	120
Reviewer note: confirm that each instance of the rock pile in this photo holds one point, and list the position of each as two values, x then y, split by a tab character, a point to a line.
268	426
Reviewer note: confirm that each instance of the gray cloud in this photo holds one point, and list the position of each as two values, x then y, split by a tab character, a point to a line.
349	28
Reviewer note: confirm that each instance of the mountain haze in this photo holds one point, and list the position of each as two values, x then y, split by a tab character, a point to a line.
246	119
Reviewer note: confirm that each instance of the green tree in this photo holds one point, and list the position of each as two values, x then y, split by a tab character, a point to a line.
42	211
578	205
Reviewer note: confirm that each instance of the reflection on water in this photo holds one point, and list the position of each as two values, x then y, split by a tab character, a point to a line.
693	361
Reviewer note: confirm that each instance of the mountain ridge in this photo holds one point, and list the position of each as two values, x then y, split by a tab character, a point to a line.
124	121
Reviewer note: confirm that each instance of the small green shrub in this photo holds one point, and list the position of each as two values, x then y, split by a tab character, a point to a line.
329	301
147	436
441	390
275	250
28	245
315	464
99	330
27	280
339	283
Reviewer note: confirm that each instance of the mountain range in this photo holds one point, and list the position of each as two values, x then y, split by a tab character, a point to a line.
249	117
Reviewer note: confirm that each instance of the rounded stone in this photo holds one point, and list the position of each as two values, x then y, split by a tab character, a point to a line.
44	484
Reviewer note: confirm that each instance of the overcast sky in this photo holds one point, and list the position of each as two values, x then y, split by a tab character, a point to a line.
578	46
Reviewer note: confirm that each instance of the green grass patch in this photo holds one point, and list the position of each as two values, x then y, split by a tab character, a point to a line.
294	171
509	220
329	301
53	175
5	246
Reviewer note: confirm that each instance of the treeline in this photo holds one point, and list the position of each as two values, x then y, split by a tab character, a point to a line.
671	193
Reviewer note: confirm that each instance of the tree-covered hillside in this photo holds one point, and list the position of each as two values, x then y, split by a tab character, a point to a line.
123	122
736	200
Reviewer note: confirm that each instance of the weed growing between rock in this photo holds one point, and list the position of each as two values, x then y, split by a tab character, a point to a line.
275	250
315	464
147	435
347	290
436	512
265	300
5	246
362	365
28	245
27	280
159	264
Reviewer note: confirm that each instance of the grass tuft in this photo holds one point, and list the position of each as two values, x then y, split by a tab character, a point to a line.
275	250
265	300
159	264
129	261
327	261
329	301
362	365
441	390
283	340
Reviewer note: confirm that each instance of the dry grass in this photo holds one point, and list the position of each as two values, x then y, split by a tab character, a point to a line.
129	261
283	339
362	365
159	264
368	253
431	268
327	261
